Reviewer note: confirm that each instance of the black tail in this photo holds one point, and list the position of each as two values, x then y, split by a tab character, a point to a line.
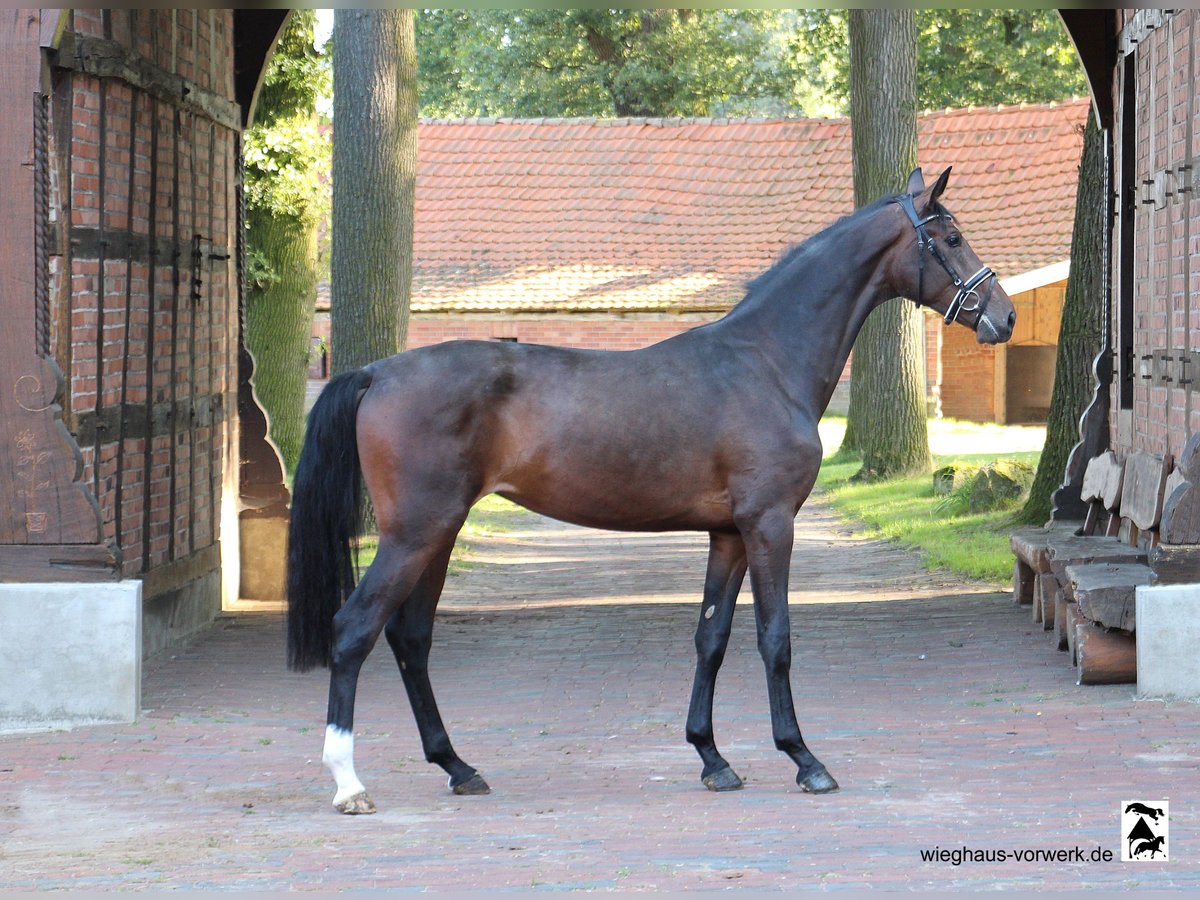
326	518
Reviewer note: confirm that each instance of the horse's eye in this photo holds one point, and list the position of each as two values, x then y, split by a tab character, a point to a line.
953	240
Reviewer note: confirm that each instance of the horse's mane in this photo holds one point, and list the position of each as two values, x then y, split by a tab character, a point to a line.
792	260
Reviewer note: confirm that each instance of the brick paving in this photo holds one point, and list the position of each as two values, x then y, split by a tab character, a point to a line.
563	662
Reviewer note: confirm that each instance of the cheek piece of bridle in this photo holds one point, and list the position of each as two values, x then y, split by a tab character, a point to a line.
966	289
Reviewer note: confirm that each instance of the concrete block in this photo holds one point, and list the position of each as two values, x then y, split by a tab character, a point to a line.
70	654
1168	633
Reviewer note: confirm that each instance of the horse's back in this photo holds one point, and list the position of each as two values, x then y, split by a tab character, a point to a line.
610	438
649	439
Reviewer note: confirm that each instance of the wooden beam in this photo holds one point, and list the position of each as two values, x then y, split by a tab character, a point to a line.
59	562
174	575
1106	592
109	59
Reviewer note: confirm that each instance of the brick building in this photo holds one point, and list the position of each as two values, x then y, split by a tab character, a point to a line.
123	393
1144	71
614	234
1142	67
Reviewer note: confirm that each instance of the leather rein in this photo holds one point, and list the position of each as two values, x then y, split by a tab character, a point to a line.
966	289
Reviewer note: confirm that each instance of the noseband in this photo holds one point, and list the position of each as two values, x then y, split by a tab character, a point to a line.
968	288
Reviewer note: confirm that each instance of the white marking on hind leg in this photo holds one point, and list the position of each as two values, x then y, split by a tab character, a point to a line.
338	757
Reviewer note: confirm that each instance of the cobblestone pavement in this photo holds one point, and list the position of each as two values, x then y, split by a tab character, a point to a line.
563	663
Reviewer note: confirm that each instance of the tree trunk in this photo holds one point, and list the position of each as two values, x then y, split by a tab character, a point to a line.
887	420
374	177
1081	332
279	324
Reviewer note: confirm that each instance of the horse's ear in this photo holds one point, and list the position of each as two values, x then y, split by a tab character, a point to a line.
916	181
929	197
939	185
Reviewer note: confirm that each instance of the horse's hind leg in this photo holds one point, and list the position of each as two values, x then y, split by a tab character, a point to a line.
410	634
387	583
726	570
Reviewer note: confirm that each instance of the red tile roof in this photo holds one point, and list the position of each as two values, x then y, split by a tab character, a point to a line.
676	215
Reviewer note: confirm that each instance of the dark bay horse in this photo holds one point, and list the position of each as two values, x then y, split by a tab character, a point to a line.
713	430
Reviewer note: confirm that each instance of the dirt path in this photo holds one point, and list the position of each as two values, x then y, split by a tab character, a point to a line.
563	663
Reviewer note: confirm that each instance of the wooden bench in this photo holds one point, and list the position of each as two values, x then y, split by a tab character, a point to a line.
1098	585
1106	593
1101	491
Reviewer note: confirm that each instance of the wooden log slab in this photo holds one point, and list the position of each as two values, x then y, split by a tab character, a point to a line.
1050	608
1105	657
1106	592
1022	582
1039	593
1102	483
1091	550
1045	588
1061	607
1142	494
1181	507
1176	563
1029	544
1074	620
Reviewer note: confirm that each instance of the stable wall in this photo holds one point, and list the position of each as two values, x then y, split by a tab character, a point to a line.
119	288
1156	255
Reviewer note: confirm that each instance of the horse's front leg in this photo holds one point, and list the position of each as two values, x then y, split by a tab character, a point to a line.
769	551
726	571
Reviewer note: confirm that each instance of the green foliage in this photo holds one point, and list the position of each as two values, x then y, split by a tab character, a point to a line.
817	59
297	75
260	274
663	62
984	57
287	168
286	153
966	57
592	62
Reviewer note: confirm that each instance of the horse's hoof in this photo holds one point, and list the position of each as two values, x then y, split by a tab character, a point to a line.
473	786
816	781
723	780
358	805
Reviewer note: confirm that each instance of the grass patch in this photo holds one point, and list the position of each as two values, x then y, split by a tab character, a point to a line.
908	511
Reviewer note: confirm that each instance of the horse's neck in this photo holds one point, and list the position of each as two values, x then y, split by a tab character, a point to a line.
804	323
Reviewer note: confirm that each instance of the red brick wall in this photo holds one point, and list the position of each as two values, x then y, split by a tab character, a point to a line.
968	377
1167	250
148	345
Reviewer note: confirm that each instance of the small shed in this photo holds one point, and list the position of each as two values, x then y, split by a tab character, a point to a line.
614	234
130	443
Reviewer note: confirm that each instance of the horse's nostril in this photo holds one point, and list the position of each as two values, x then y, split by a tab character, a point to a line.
1012	320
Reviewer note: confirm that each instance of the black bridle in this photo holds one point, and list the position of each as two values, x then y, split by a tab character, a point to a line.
966	289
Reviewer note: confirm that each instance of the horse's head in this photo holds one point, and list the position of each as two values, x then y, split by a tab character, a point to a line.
943	272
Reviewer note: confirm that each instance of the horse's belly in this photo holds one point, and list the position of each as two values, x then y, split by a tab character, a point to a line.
623	509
